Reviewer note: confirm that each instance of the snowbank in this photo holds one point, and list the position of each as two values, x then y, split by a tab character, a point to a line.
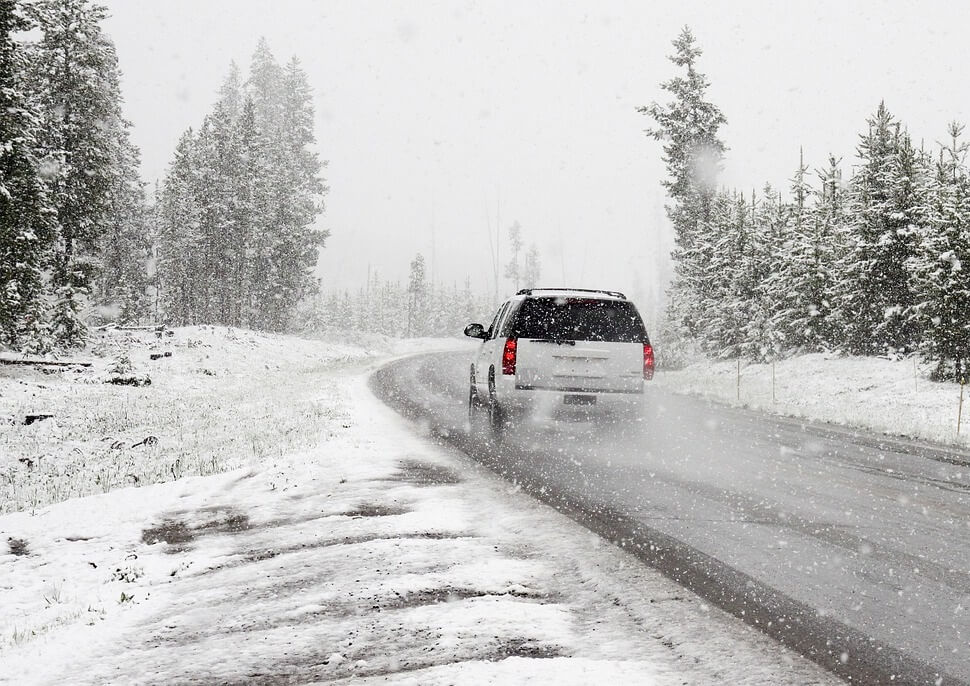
893	397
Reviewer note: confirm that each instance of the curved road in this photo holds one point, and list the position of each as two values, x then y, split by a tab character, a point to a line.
849	547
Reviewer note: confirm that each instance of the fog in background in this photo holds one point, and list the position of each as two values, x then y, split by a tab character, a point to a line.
436	116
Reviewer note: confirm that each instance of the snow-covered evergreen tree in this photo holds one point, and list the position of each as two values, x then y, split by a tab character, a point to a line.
941	267
729	289
875	290
26	221
417	298
299	198
75	91
220	165
531	268
178	237
248	189
293	191
125	245
772	222
66	326
100	249
247	230
800	284
694	300
513	269
688	127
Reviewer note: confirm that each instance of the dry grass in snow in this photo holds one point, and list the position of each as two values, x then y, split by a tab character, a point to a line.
223	399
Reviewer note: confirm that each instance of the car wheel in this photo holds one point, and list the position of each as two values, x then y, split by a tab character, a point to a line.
496	414
474	404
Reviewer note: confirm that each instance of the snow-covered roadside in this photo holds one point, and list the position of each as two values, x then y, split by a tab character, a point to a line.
375	555
219	399
213	404
893	397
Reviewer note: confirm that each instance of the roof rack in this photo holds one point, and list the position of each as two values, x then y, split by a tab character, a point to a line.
530	291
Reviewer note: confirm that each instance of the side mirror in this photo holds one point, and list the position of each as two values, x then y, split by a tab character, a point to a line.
475	331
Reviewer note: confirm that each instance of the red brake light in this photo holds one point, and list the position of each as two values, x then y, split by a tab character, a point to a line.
508	356
647	361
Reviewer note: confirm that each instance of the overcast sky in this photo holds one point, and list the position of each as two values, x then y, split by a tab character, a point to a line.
443	113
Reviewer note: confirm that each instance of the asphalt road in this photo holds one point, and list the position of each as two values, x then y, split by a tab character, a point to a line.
851	548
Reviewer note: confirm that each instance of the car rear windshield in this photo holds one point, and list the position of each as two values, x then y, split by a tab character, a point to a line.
579	319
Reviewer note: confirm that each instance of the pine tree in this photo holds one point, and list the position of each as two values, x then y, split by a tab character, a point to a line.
222	169
265	88
245	221
125	246
66	326
696	296
876	294
532	268
292	192
772	224
512	270
942	280
26	226
417	297
828	250
303	194
688	127
800	284
179	238
728	288
75	90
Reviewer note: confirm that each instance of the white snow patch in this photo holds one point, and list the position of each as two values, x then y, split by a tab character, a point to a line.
890	396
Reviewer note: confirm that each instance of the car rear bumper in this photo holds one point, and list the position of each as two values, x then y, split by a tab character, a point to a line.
568	401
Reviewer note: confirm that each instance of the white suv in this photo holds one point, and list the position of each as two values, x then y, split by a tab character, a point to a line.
558	349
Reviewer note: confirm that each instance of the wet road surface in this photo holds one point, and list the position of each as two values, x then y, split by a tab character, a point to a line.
849	547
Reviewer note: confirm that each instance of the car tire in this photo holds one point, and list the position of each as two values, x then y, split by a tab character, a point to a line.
474	405
497	417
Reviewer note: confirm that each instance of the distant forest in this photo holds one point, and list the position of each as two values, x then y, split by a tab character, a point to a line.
422	307
865	264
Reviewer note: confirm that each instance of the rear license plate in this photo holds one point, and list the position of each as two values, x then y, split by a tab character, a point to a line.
578	399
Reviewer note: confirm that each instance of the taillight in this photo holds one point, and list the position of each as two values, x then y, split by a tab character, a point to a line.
647	361
508	356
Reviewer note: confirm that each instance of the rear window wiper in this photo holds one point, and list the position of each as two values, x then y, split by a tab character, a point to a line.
557	341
